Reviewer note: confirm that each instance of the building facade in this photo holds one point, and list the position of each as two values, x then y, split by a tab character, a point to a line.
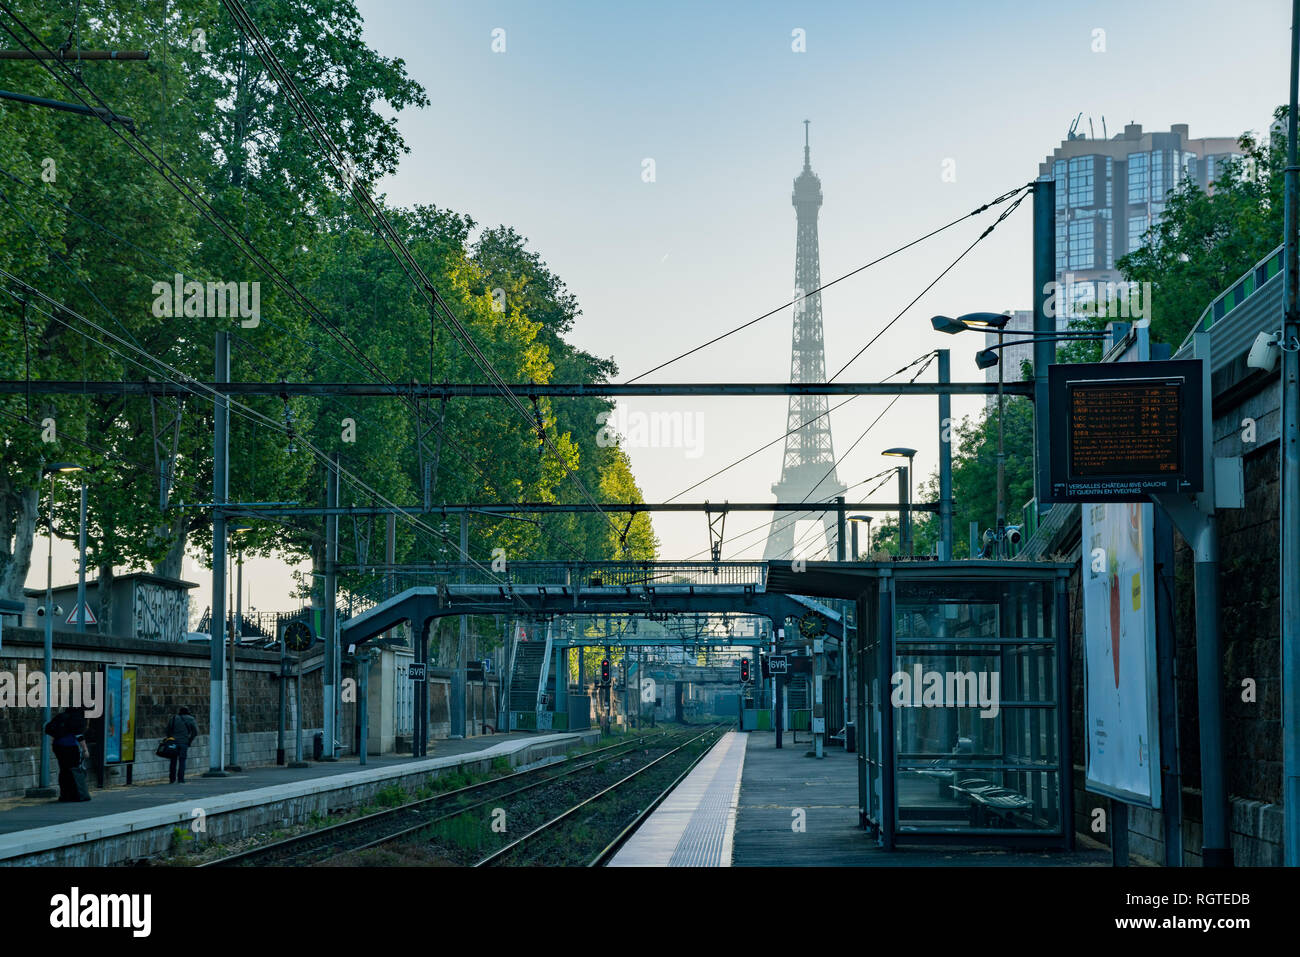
1109	192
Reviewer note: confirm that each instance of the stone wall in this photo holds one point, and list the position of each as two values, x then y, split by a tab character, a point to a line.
168	676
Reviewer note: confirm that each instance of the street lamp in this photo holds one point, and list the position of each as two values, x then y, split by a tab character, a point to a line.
904	498
860	518
978	321
235	530
43	788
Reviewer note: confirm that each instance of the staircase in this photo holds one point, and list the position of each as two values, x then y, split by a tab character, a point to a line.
530	656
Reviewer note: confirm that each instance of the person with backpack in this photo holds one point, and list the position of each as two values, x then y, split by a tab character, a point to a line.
183	729
68	729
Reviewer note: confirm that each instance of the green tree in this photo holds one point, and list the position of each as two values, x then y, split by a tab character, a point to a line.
86	221
974	480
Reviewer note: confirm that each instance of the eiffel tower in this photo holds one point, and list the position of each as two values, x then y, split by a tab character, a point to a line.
808	470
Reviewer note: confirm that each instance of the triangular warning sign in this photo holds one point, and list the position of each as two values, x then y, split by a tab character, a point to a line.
90	616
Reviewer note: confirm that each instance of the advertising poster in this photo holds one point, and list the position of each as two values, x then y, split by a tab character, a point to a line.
1120	652
112	714
128	715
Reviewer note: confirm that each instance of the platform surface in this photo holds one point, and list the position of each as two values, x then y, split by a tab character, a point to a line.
28	825
798	811
694	826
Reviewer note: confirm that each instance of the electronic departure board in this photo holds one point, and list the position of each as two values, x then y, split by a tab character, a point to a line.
1123	430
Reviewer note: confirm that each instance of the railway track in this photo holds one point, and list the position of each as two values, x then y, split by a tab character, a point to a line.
395	824
566	838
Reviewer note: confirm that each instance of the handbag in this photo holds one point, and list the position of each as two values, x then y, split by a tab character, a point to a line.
168	748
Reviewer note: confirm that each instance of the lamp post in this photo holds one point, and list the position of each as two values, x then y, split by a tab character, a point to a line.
855	519
904	498
43	788
237	632
984	322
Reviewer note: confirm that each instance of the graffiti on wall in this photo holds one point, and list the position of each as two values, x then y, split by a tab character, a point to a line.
161	614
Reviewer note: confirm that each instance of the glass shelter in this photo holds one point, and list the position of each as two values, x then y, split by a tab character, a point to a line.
963	698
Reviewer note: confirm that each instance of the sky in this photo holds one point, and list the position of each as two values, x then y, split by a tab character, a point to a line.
550	133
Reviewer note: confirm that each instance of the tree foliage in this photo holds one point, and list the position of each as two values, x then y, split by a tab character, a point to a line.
88	223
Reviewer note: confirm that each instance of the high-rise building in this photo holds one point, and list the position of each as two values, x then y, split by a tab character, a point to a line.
1109	192
808	467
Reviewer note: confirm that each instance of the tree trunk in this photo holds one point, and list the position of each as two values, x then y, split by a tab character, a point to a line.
106	600
18	512
174	561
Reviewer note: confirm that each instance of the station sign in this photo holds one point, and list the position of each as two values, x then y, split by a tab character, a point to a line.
1124	431
416	671
777	665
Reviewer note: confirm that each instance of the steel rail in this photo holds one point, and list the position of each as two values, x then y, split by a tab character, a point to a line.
514	845
311	840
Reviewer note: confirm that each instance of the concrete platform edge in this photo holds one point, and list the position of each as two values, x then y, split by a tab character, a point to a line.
145	832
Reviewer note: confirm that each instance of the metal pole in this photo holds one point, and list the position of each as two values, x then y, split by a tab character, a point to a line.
904	513
945	461
220	489
298	762
1118	833
776	691
855	542
236	633
81	567
1216	849
1171	786
46	740
1290	477
458	679
1001	522
329	690
363	696
841	540
1044	284
279	734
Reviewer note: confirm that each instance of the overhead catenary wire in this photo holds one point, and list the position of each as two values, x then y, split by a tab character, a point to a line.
184	381
838	279
790	432
456	447
927	359
1024	191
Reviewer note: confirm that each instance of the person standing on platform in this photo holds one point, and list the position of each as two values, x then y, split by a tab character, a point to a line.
183	728
68	729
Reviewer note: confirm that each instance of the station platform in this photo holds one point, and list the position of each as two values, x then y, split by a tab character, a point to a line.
129	823
778	783
748	804
694	825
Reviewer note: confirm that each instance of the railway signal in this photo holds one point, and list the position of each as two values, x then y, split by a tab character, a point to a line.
604	670
744	670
